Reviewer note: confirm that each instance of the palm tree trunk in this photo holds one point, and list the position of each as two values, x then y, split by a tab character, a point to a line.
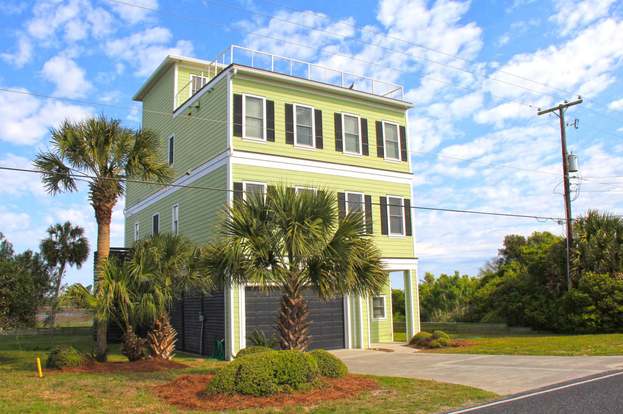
103	215
293	324
57	293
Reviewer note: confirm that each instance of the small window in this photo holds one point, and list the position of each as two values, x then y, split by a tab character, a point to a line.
197	82
137	231
171	149
396	216
355	202
250	188
352	138
155	224
305	190
392	141
254	117
175	219
304	130
378	307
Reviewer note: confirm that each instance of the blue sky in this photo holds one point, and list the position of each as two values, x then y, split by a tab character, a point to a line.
475	71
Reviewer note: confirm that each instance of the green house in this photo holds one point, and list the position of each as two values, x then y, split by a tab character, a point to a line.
248	120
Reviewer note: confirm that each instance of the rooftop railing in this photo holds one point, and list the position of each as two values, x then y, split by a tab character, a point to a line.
297	68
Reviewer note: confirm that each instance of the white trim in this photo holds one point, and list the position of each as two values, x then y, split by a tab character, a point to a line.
412	301
175	83
230	94
244	117
313	126
299	188
389	224
170	157
409	144
385	141
242	310
399	264
347	334
175	217
358	134
384	297
360	299
190	82
244	188
369	323
199	172
319	167
152	224
211	85
391	305
137	231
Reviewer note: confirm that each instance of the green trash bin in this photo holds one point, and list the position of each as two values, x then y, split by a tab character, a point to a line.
219	349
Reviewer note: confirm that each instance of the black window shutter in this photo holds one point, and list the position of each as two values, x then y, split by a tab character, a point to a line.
237	115
407	204
270	121
383	203
337	117
380	149
238	192
318	126
368	214
341	205
403	144
289	124
364	137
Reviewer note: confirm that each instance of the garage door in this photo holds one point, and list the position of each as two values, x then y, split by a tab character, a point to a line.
327	318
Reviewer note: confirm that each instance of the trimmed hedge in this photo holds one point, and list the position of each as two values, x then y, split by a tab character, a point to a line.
328	364
250	350
64	356
266	373
437	339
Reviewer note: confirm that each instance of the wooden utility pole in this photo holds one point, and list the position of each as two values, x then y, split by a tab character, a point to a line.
559	111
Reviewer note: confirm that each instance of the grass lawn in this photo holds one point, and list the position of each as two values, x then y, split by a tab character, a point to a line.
22	392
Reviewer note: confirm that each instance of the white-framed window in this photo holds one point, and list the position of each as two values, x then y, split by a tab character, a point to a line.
197	82
137	231
378	307
396	216
351	134
175	219
305	189
171	149
391	142
254	117
250	187
155	224
304	129
355	202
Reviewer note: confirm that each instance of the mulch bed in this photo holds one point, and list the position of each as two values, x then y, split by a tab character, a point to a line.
187	391
145	365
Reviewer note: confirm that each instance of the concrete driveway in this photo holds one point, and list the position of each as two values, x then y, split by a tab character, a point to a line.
502	374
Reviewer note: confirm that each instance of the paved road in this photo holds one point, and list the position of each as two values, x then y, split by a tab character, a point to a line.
601	394
502	374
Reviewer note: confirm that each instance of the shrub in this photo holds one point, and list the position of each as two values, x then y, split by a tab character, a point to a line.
266	373
421	338
438	339
437	334
65	357
250	350
328	364
259	338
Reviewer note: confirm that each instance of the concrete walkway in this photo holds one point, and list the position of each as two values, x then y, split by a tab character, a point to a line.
502	374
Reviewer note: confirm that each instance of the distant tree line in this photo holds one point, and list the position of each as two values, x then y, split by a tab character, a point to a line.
525	285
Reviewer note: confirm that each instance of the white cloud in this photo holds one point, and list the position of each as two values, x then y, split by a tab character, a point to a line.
145	50
573	15
68	77
19	183
616	105
25	119
22	55
141	10
503	112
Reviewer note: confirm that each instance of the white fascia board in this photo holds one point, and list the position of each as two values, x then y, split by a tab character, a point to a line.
399	264
310	166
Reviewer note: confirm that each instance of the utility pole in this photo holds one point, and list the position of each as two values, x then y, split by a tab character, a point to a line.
559	111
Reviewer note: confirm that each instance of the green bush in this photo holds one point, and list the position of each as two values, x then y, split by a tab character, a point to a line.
437	339
328	364
421	338
65	357
266	373
250	350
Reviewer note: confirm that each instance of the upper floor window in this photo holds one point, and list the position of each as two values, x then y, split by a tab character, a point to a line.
197	82
175	219
355	202
352	136
254	119
378	307
171	149
305	190
392	141
251	188
155	224
304	129
395	213
137	231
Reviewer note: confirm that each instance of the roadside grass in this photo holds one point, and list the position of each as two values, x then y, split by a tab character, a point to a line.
23	392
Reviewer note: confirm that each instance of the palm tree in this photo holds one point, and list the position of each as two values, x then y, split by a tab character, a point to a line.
65	245
104	153
598	244
293	241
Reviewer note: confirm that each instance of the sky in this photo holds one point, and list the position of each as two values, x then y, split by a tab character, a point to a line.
476	72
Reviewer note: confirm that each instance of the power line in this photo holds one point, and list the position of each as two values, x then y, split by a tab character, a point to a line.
82	176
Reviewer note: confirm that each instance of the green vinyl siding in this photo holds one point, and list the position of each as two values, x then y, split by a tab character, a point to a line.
381	330
391	246
200	211
200	132
184	72
328	103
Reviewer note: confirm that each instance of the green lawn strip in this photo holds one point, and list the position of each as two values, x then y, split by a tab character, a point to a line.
23	392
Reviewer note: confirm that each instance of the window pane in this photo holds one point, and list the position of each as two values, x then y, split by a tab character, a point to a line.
252	189
395	215
355	202
351	126
254	107
304	136
378	307
305	190
303	116
155	225
254	128
392	150
351	134
351	143
392	145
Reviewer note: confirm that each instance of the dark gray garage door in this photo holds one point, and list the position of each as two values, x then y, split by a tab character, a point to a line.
327	318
